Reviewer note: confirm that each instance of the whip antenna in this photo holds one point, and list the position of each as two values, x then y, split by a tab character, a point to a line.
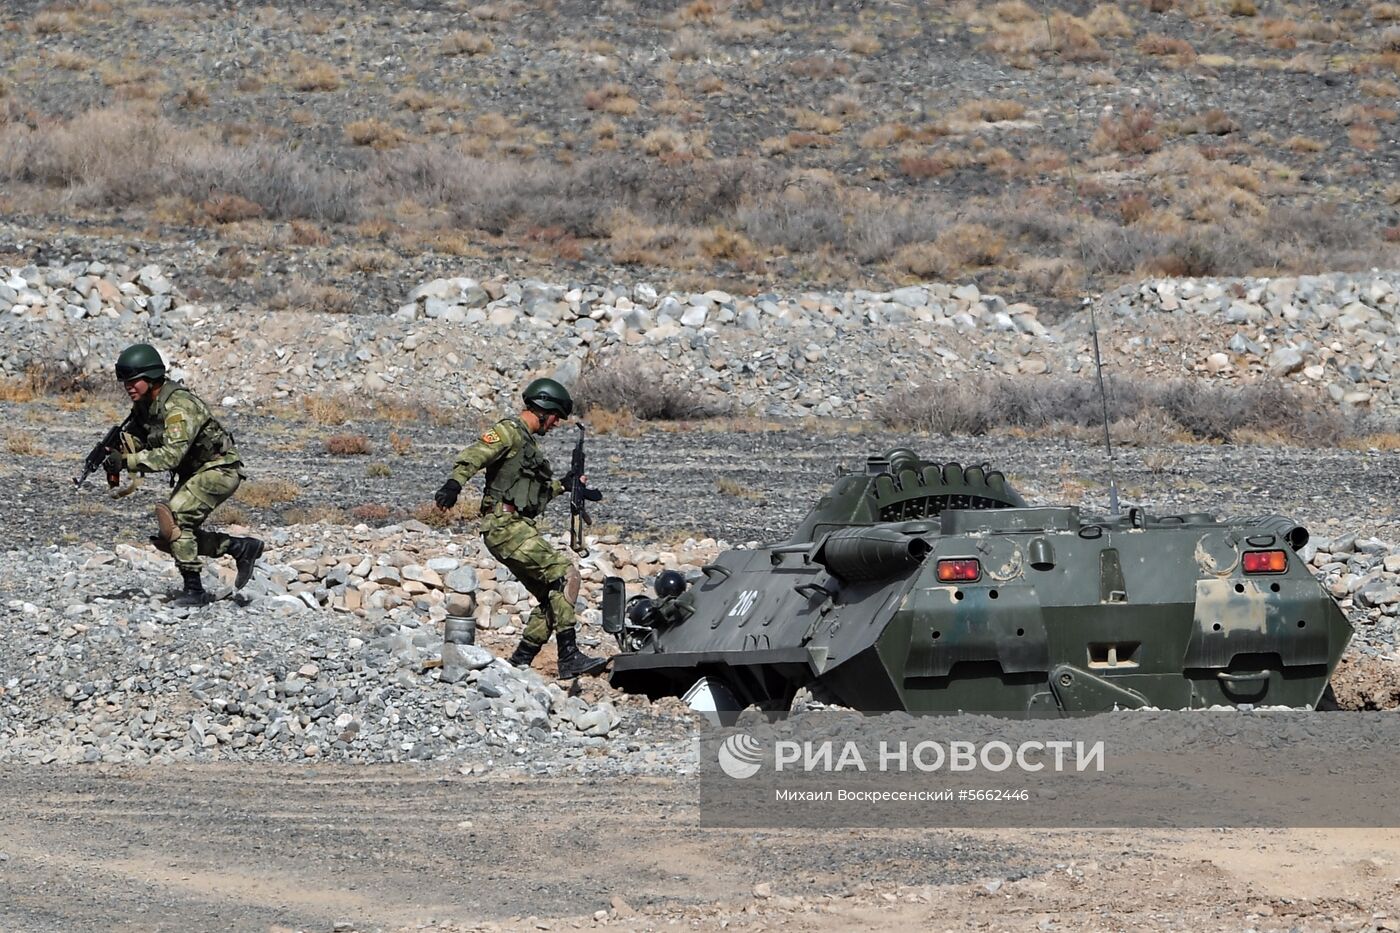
1103	399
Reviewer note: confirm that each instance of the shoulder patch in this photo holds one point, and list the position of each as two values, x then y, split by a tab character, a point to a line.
175	427
491	436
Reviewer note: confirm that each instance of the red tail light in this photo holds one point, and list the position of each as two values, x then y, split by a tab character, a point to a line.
1265	561
961	570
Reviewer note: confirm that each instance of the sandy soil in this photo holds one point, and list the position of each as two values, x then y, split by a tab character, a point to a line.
396	848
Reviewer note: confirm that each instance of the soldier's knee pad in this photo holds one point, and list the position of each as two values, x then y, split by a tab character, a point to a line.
165	520
572	582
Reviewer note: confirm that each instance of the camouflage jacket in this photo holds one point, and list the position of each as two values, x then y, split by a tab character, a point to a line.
176	431
516	468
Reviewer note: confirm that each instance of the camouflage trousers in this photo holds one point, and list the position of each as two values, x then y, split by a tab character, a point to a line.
545	572
190	503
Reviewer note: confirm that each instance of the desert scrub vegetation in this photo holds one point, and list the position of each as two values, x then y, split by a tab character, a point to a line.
265	493
348	445
686	206
626	384
1141	411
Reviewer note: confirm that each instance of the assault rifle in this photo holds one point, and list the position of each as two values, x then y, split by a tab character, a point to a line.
579	497
111	441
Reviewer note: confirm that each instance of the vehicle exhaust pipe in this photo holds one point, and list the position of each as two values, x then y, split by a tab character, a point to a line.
862	555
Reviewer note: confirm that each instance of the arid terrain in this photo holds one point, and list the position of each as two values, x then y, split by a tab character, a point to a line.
760	239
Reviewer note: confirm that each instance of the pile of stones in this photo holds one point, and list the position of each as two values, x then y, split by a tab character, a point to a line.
820	354
98	667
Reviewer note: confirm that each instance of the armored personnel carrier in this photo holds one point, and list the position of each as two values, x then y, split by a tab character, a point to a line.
922	586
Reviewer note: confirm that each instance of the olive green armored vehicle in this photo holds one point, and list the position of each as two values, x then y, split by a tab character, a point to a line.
929	587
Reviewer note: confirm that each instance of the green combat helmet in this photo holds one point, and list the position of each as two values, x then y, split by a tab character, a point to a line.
550	396
140	361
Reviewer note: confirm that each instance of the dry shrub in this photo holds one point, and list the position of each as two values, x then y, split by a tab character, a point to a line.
1364	136
972	244
316	76
370	513
230	208
53	22
1243	8
1304	144
1380	88
69	60
400	444
859	43
1107	19
429	514
321	299
263	494
1134	206
1385	12
465	42
1201	410
375	133
305	233
991	111
819	67
723	243
1129	129
23	445
932	165
689	45
924	260
815	122
328	409
316	515
229	514
379	471
1166	46
370	260
611	98
624	383
347	445
1061	35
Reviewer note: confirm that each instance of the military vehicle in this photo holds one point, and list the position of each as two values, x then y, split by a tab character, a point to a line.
928	587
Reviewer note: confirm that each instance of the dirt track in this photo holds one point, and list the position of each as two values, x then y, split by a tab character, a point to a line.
219	848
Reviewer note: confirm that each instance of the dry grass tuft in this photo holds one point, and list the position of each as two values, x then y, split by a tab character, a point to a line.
374	133
626	384
429	514
991	111
347	445
465	42
23	445
859	43
316	76
611	98
230	208
371	513
727	486
267	493
1129	129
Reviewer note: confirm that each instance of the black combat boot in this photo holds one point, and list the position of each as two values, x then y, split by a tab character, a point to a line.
245	552
524	654
573	662
193	594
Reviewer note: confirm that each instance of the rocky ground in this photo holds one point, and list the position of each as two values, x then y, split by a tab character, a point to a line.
759	240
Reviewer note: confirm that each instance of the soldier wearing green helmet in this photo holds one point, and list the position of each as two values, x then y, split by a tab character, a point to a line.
172	429
519	484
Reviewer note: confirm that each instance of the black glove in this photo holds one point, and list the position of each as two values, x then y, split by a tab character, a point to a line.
589	493
114	463
446	497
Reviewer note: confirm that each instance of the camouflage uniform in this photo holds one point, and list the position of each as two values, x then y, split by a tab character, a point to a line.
519	484
175	431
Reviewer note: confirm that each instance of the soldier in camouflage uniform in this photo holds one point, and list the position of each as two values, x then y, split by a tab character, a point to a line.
519	484
173	430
